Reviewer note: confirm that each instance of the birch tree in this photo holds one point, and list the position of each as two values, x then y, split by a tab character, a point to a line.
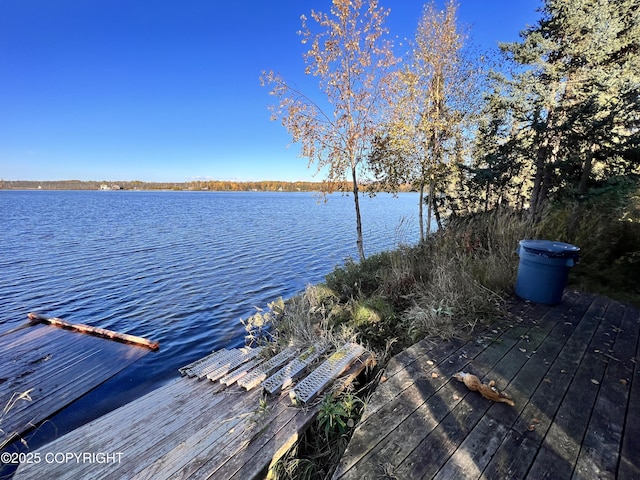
350	55
435	94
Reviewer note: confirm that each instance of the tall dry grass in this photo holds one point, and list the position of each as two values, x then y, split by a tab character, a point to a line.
442	288
464	274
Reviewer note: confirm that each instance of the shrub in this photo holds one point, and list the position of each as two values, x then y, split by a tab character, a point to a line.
358	279
606	226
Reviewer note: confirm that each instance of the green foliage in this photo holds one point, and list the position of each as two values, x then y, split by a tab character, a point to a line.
566	117
605	224
333	417
354	280
325	441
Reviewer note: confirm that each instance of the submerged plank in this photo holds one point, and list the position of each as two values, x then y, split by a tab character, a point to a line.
57	367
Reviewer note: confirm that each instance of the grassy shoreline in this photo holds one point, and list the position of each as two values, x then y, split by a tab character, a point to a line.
458	281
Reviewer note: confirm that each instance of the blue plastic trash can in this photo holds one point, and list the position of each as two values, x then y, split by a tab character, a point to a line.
544	269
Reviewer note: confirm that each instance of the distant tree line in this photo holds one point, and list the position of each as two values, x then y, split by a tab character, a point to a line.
197	185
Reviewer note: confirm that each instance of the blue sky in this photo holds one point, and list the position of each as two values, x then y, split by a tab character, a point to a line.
168	90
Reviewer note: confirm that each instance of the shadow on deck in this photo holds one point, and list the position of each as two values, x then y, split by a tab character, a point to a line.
571	370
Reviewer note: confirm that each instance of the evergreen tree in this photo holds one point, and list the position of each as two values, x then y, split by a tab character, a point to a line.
574	100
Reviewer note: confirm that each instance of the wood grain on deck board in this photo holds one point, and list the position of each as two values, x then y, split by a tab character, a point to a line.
572	371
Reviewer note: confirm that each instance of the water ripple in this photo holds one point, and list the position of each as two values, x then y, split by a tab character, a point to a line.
178	267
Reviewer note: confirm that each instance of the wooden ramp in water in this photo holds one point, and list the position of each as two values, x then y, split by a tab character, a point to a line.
230	415
572	370
43	368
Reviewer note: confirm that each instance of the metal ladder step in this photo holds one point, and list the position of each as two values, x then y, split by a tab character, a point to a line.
232	377
330	369
202	369
257	375
286	375
242	355
204	360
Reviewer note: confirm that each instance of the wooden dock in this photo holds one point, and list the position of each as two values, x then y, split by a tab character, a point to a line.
573	373
211	423
44	368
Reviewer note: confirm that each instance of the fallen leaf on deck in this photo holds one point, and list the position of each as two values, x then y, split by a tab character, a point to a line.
523	350
623	381
546	380
456	397
536	420
531	428
434	375
595	382
383	379
429	362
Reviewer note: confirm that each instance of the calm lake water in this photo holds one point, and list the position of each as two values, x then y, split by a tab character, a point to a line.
178	267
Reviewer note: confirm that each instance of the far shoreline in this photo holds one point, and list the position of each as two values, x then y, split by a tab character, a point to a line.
192	186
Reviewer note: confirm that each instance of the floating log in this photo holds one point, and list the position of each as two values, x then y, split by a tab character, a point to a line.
99	332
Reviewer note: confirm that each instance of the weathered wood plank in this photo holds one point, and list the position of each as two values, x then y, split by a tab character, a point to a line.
535	352
412	354
183	430
63	375
629	465
384	440
129	429
383	444
234	455
405	377
601	445
445	439
393	385
200	445
410	402
529	359
99	332
559	450
152	435
543	384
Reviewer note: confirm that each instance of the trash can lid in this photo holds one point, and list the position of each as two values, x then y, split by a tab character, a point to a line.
549	246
